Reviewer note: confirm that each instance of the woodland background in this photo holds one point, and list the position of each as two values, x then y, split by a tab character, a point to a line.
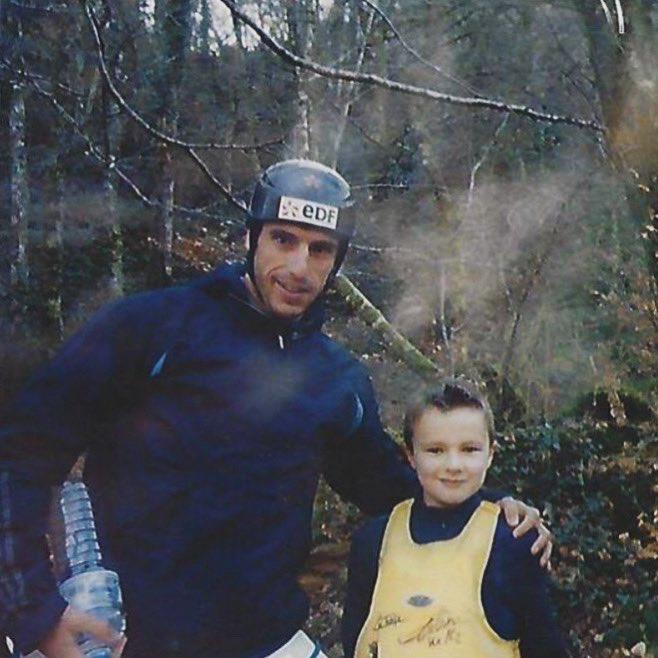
504	155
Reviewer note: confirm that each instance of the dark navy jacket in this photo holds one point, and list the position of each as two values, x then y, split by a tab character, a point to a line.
207	425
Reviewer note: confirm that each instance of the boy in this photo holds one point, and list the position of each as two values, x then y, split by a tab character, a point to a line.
443	575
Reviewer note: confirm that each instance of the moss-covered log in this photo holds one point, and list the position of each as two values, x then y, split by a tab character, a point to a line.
372	316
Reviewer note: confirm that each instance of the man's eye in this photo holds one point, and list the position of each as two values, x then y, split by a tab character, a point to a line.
280	238
435	451
323	249
472	449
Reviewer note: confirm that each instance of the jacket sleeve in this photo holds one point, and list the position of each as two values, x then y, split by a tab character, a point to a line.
540	635
361	579
56	416
365	466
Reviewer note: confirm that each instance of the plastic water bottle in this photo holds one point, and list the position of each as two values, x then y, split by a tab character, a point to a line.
90	588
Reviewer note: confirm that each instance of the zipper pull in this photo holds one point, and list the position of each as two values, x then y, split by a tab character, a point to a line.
281	341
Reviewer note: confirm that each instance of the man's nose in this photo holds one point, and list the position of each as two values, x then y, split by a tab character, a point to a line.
298	262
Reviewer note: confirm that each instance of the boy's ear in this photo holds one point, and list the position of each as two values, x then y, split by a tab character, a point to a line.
492	450
409	454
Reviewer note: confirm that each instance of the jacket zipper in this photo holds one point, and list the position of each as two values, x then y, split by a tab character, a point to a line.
281	344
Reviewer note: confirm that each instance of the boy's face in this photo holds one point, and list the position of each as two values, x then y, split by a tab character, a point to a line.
451	454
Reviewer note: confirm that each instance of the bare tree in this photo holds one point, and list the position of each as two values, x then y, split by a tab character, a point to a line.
300	18
18	236
173	28
624	55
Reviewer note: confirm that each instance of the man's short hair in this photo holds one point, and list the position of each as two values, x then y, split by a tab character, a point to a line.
452	393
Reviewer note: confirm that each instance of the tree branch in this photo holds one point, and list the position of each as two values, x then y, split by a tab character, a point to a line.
110	163
349	96
350	293
483	157
188	148
533	278
354	298
445	329
606	11
373	317
7	66
148	127
30	9
621	27
389	186
423	92
414	53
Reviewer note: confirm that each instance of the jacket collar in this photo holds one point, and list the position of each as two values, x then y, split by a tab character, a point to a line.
228	281
458	514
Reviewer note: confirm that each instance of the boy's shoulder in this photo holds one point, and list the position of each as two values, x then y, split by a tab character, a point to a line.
367	540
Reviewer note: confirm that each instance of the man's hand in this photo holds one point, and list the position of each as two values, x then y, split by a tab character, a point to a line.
529	517
61	641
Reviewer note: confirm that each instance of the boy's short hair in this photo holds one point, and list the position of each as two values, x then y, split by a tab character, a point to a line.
450	394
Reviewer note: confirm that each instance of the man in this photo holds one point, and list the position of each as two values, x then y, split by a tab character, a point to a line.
208	412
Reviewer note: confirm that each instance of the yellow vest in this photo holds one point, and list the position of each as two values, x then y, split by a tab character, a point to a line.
426	601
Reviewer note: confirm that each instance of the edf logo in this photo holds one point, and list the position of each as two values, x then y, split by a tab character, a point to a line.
308	212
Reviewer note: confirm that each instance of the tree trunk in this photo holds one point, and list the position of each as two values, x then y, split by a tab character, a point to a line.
249	121
346	90
300	18
55	243
19	269
626	78
205	28
5	202
173	26
166	214
115	230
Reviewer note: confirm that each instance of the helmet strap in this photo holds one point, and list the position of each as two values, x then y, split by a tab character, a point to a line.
254	233
340	257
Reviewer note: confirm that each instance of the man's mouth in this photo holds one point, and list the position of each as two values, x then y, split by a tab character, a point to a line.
292	290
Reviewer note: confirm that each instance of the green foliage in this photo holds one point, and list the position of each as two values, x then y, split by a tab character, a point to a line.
600	501
598	495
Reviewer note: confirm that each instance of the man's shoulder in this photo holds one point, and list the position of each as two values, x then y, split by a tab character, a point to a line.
332	346
155	295
146	303
146	317
340	355
204	288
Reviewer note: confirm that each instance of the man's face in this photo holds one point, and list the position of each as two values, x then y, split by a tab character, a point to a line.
451	454
291	267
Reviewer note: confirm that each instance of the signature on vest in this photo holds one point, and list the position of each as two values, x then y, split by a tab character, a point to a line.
384	621
440	629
